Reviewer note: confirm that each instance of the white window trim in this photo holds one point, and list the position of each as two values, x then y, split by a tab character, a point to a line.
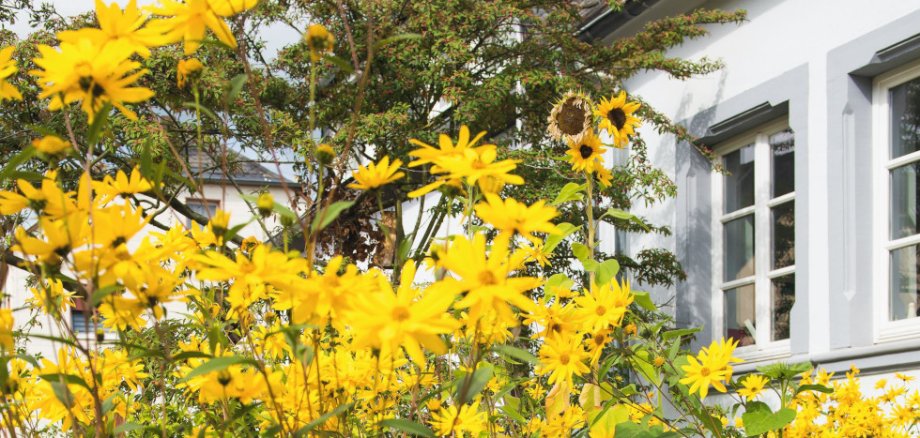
763	348
886	330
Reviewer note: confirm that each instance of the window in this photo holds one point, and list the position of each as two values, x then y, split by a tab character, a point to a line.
205	207
754	240
896	130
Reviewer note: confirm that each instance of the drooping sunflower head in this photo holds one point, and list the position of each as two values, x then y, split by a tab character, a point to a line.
616	115
586	153
571	117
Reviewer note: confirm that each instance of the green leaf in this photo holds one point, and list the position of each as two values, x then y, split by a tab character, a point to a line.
679	333
236	85
616	213
98	126
190	355
511	408
557	281
326	216
14	163
634	430
606	271
410	427
783	370
216	364
644	301
342	64
322	419
759	419
517	353
645	367
99	295
395	38
553	240
468	386
62	393
69	379
581	252
201	109
128	427
814	387
569	192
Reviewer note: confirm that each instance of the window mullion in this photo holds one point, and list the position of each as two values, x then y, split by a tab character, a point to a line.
762	238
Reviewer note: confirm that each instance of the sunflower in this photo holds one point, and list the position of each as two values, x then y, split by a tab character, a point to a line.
586	153
617	118
570	117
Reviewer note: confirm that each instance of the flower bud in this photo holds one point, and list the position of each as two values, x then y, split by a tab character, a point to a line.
325	154
319	40
265	203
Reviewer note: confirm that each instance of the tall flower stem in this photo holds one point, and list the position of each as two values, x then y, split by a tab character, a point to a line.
589	211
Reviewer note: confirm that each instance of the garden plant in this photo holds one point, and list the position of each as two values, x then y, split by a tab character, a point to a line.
344	324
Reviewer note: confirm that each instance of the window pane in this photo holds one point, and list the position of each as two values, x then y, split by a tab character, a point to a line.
784	235
905	118
739	178
904	200
206	208
783	299
739	314
904	293
782	144
80	321
739	248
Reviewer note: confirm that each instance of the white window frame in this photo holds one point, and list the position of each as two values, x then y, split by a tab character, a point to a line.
763	348
886	330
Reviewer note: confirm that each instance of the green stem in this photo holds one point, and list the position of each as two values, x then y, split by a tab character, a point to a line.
589	211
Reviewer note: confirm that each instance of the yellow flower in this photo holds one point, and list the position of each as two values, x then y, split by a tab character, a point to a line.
92	74
510	216
51	145
658	361
428	154
117	25
536	253
51	298
617	118
586	153
570	118
6	329
752	386
710	368
188	20
122	185
450	421
904	377
604	306
377	175
485	277
185	68
881	383
562	357
408	318
319	40
7	69
120	312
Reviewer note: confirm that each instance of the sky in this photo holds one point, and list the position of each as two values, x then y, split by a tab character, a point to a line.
276	36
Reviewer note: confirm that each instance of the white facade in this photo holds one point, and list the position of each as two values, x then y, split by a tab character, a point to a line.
822	68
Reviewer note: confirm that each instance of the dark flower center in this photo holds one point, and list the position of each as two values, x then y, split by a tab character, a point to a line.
618	117
89	84
571	118
585	151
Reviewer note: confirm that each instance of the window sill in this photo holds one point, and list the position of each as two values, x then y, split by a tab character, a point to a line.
758	355
895	331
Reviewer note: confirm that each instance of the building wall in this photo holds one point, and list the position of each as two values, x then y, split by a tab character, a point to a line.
815	59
